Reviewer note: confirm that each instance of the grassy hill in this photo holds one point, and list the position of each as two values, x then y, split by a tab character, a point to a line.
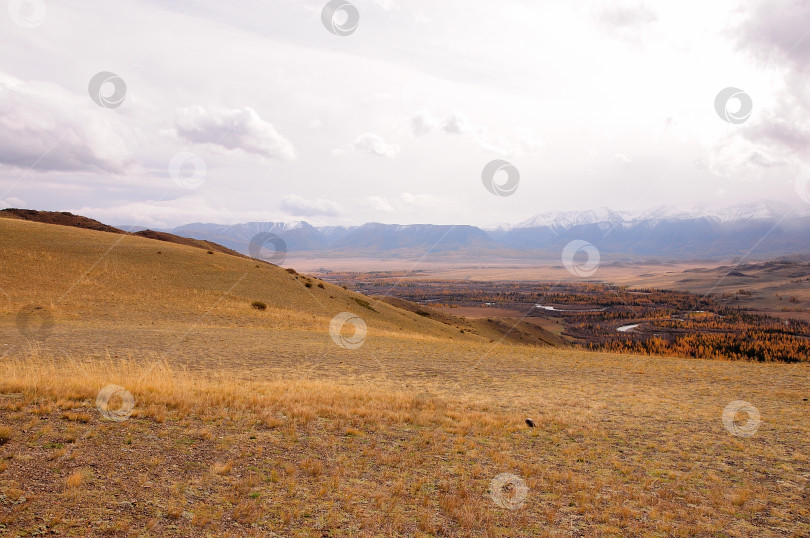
82	274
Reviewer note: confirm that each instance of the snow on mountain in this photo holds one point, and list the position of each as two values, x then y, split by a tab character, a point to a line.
761	210
567	219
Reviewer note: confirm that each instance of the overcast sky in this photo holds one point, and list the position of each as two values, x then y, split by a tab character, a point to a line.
594	103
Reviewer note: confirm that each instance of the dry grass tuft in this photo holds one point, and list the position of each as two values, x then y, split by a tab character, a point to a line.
74	480
77	417
222	468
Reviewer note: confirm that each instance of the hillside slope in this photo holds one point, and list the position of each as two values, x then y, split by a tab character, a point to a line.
493	327
80	275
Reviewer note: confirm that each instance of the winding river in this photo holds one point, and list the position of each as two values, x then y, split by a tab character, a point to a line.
574	310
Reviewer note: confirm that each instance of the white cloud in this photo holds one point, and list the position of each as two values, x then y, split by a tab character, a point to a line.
421	200
301	207
387	5
155	213
419	16
375	145
11	201
45	127
378	203
456	123
407	202
233	129
423	123
777	32
626	16
174	212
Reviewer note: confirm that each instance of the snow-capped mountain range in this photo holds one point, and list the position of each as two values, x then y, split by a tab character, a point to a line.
761	229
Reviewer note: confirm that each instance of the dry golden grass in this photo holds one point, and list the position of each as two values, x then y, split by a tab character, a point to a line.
608	456
74	480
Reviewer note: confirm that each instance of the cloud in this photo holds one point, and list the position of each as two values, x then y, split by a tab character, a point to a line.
779	132
387	5
406	202
626	23
778	30
154	213
298	206
375	145
423	123
45	127
378	203
233	129
456	123
759	159
419	16
174	212
421	200
621	17
12	202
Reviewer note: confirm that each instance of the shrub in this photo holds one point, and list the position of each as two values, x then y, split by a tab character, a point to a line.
363	303
292	271
320	285
5	435
423	313
258	305
210	252
308	284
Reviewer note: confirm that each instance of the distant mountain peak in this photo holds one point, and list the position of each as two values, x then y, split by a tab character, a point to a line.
760	210
567	219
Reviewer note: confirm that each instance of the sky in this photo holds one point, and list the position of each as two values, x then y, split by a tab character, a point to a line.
160	113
